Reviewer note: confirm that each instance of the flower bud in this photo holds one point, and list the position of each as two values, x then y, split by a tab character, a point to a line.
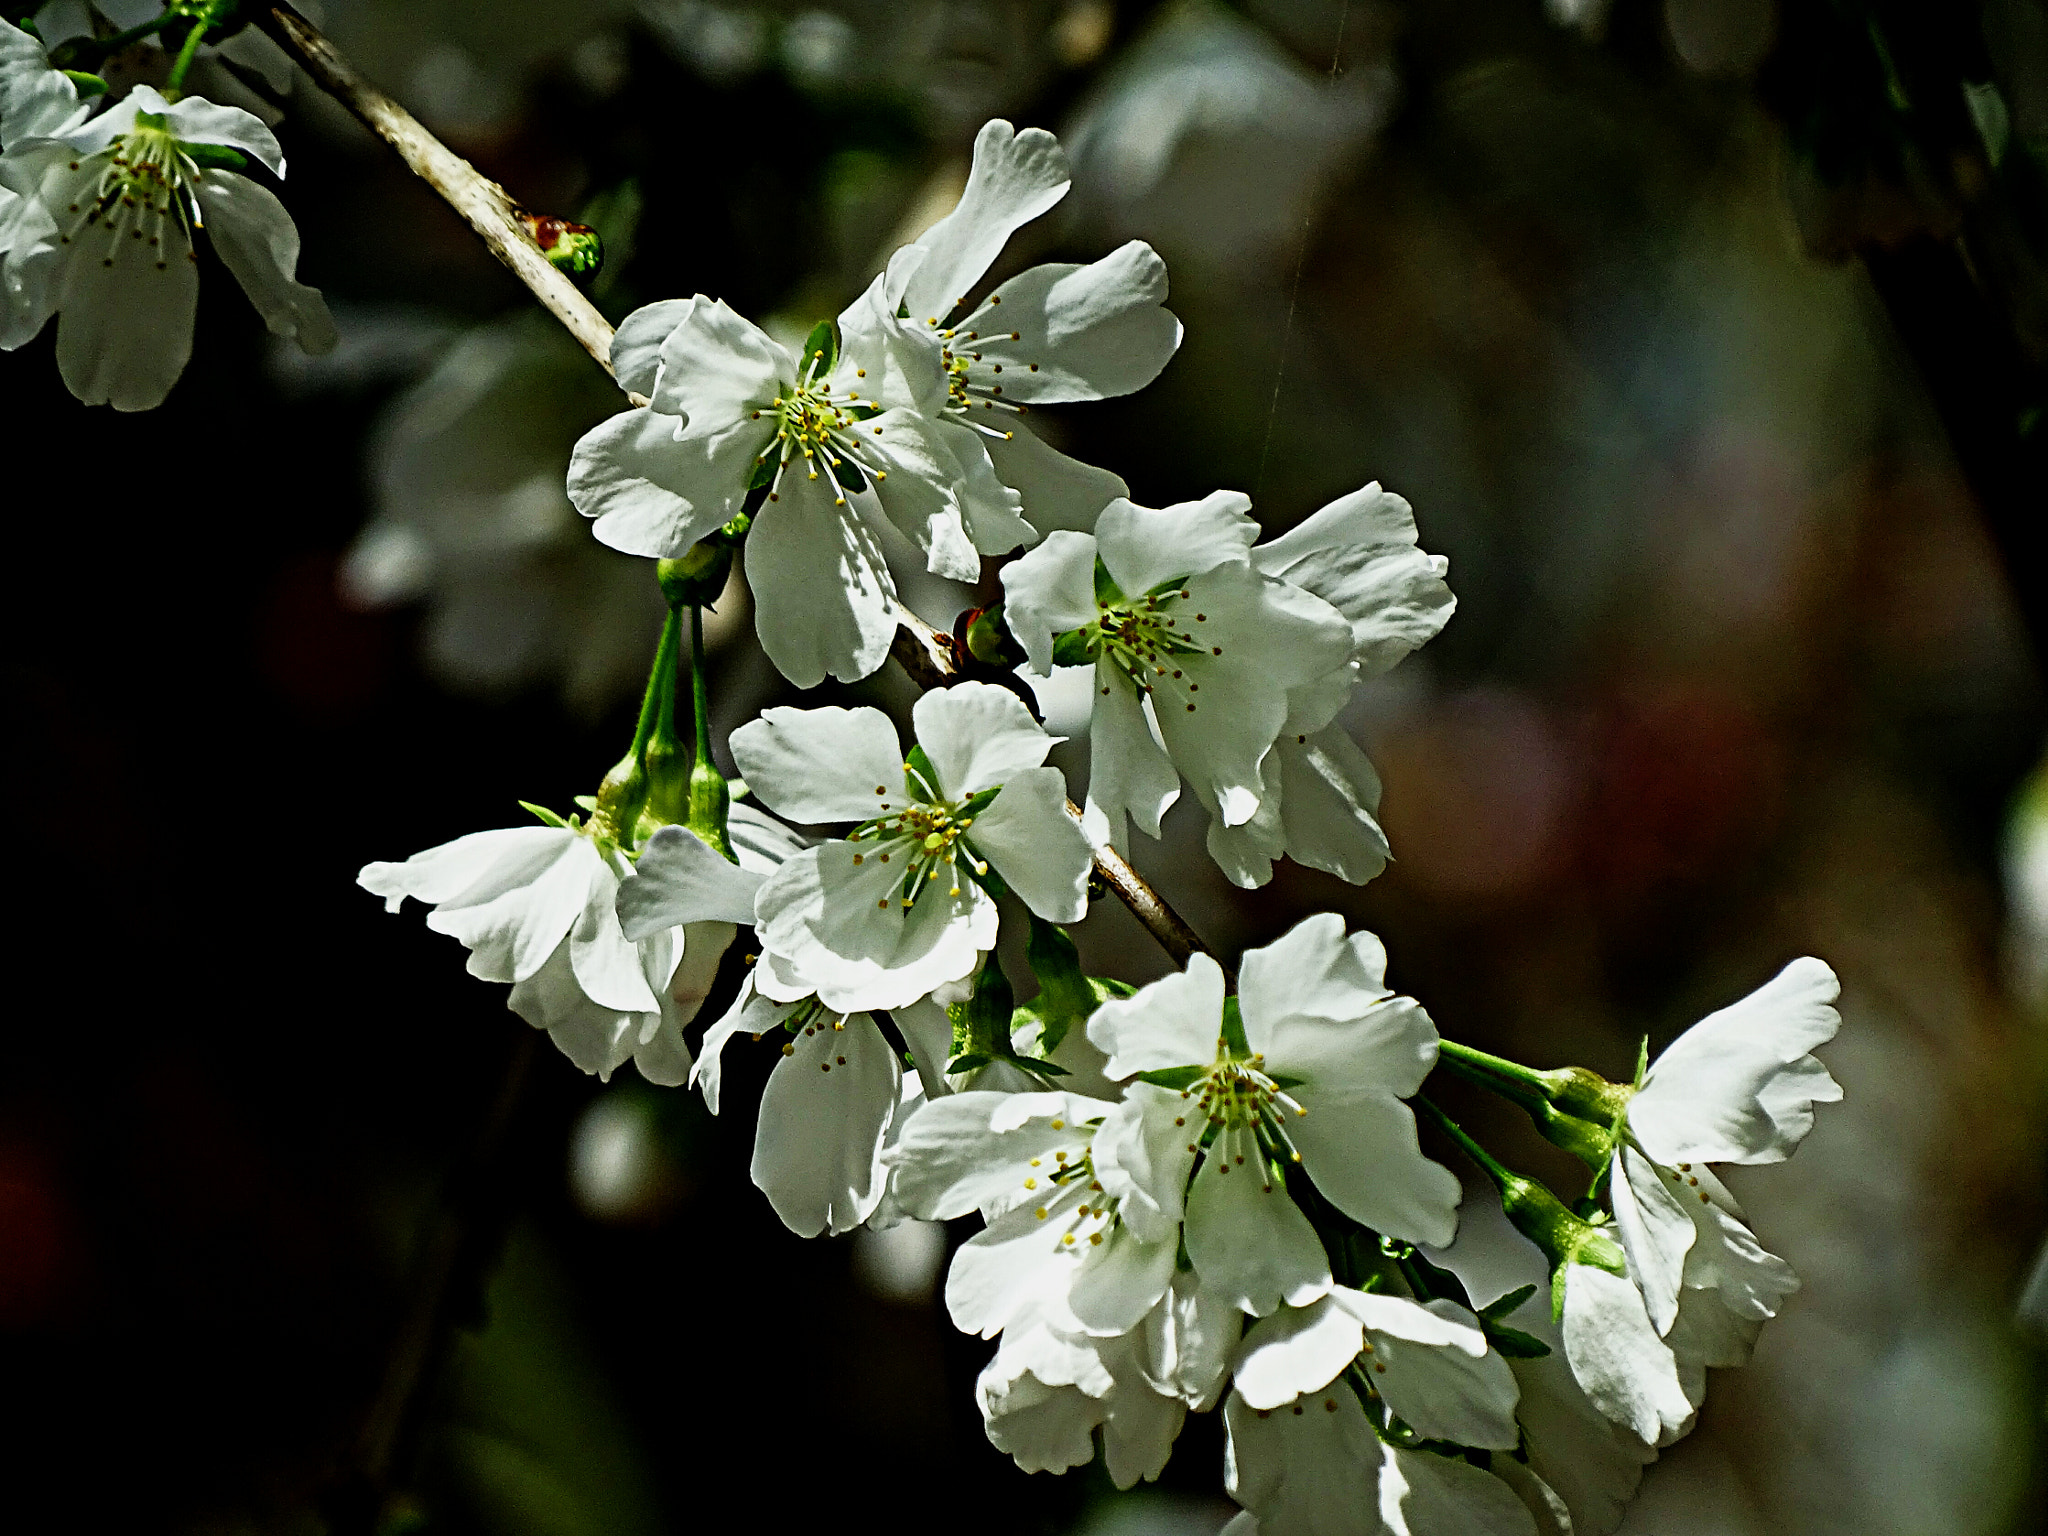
697	576
572	248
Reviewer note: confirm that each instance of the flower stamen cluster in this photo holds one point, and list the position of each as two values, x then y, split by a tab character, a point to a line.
810	425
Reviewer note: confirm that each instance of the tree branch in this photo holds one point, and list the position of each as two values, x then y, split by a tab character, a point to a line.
486	206
923	652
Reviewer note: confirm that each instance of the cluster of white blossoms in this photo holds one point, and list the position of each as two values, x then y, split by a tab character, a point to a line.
99	215
1207	1193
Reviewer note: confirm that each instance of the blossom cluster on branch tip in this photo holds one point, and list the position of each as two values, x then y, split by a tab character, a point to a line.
99	218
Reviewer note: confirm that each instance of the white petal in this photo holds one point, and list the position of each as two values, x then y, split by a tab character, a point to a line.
606	965
1620	1363
717	368
1246	1236
1432	1365
761	843
750	1014
1059	492
974	1150
1048	592
1188	1341
1655	1231
36	100
663	1057
1172	1022
929	1034
125	329
891	361
1130	776
598	1039
1308	1469
918	494
1359	554
1019	1261
1296	1350
636	345
1042	1428
31	253
1142	1158
510	896
844	927
824	601
1034	844
1015	177
1120	1281
824	1112
1553	1517
1145	546
1423	1494
257	241
1752	1282
195	120
652	495
1066	332
989	508
815	765
1707	1334
680	880
1712	1097
1329	796
1593	1464
978	736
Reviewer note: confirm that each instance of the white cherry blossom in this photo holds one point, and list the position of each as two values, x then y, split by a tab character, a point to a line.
537	907
900	906
1738	1087
1318	793
734	410
826	1111
1429	1363
1317	1466
1324	1056
1057	1248
1055	333
1195	653
1627	1372
102	228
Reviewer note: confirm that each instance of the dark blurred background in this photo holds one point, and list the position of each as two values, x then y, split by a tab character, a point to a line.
1706	337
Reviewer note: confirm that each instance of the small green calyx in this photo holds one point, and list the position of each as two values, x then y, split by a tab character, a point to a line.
1587	1095
1146	640
989	640
696	577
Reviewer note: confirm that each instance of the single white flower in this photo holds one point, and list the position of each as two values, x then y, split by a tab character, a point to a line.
826	1110
1195	651
123	194
1428	1363
1046	1392
1319	1466
1738	1087
536	907
1312	1068
1318	794
1057	1248
734	411
901	907
1625	1369
1053	334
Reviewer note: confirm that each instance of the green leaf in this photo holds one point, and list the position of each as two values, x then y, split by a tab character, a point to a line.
1172	1077
547	815
968	1062
823	346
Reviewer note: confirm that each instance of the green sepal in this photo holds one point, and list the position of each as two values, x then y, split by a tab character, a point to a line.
1173	584
1072	649
1282	1080
696	576
979	801
1501	1306
989	640
89	85
1107	592
1065	995
547	815
588	802
1233	1028
969	1062
1172	1077
823	345
216	157
1514	1343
